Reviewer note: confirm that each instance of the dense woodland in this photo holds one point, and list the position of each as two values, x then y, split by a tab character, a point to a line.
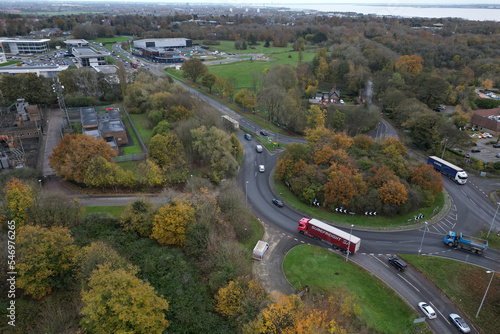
181	266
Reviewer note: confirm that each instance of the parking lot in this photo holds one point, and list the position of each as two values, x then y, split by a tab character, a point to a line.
487	151
50	59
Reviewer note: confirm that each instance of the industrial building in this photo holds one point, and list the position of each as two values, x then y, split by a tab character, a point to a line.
87	57
41	71
24	46
163	50
75	43
108	126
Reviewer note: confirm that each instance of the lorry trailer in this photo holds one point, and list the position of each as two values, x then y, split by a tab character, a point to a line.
475	245
455	173
321	231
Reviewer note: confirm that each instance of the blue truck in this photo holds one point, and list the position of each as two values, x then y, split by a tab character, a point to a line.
455	173
462	241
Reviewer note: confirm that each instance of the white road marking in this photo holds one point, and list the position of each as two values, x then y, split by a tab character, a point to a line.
472	202
440	312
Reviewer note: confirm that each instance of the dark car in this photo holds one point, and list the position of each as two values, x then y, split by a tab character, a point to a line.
263	132
475	150
277	202
248	137
398	263
496	145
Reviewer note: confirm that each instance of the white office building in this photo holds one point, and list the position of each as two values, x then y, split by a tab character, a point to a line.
24	46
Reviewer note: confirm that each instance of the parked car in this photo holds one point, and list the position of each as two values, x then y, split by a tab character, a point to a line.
475	150
459	322
398	263
264	133
277	202
428	311
498	155
262	169
248	136
341	101
496	145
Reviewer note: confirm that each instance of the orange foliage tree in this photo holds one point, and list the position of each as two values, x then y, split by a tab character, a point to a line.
343	183
427	178
72	156
381	176
393	192
411	64
364	142
171	223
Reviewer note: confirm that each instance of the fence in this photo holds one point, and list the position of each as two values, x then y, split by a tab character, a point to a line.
130	157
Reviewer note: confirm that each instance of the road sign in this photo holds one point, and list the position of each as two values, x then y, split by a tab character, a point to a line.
416	321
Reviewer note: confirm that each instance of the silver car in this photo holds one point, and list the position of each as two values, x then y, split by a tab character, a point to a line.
459	322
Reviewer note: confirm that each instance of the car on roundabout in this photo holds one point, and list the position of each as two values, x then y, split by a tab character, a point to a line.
262	168
277	202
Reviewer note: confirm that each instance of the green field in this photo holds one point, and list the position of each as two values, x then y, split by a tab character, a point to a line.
141	123
465	284
381	308
115	39
10	62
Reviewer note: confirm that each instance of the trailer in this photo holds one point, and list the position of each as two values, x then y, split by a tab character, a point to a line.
260	249
337	238
231	122
455	173
462	241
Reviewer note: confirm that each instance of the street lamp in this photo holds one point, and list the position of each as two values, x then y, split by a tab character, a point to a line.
349	245
444	148
246	194
484	297
422	242
491	226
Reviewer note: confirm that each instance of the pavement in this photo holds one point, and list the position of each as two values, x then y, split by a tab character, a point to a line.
51	138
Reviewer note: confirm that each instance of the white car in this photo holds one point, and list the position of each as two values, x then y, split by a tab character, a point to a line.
262	169
428	311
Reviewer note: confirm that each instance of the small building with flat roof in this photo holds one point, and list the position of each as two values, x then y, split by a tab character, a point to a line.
75	43
41	71
169	43
88	57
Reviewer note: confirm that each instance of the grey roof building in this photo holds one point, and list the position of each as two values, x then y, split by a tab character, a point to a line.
88	57
24	45
44	71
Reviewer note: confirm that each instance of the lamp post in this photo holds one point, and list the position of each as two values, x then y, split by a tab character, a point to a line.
246	194
444	148
349	245
422	242
484	297
491	226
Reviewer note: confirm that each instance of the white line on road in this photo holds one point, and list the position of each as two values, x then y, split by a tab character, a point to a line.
404	279
440	312
472	202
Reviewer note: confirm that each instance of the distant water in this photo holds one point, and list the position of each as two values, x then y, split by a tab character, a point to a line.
474	14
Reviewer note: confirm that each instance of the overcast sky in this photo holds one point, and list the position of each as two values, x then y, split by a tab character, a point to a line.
393	3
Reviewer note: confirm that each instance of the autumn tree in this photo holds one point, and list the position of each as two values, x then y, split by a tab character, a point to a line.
246	99
171	223
427	178
241	300
343	183
72	156
45	258
393	147
55	209
194	68
410	64
138	217
19	199
97	253
208	81
166	151
213	148
150	174
315	117
119	302
393	192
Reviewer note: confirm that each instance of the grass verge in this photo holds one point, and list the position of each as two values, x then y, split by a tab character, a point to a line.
381	308
141	123
465	284
358	220
256	234
493	239
114	211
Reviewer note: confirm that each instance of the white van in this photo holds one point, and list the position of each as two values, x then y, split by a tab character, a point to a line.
260	249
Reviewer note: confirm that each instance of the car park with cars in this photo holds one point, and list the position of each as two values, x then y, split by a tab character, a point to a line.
459	322
475	150
427	309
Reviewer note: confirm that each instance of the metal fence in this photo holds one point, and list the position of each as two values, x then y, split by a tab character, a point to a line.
130	157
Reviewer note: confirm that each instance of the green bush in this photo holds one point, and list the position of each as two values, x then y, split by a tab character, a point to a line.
486	103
